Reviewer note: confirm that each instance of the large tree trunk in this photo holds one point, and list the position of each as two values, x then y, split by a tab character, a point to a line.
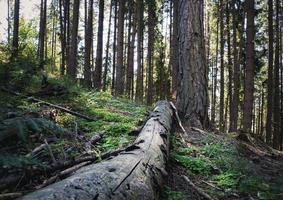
72	58
139	85
174	58
120	72
97	80
42	33
250	68
88	44
114	48
192	97
137	173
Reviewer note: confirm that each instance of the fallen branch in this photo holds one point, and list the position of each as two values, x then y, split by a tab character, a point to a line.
10	195
51	105
197	189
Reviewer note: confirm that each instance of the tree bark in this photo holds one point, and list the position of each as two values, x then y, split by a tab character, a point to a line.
192	97
88	44
150	50
250	68
97	80
114	47
136	173
140	25
72	58
120	69
174	59
15	44
276	105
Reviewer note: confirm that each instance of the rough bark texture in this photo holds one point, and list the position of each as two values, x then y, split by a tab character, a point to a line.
120	75
114	47
98	63
250	68
72	58
15	44
88	44
270	74
192	97
136	173
139	85
175	49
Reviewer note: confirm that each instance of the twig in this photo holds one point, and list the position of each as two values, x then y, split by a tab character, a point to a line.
177	117
37	150
50	151
199	190
62	174
11	195
50	104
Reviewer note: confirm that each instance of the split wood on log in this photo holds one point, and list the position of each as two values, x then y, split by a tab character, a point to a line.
136	173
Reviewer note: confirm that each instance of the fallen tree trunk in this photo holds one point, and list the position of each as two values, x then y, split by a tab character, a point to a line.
136	173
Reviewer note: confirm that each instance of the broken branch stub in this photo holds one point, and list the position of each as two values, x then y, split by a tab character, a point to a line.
136	173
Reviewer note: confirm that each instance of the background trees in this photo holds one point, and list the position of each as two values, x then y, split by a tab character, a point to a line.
143	49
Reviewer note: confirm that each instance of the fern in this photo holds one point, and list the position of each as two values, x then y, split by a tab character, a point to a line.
25	125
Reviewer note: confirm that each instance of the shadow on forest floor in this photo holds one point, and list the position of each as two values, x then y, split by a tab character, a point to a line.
224	167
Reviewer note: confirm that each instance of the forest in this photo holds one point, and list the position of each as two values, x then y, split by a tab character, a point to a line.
141	99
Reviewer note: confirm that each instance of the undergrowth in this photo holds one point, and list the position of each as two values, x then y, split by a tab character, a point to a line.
222	166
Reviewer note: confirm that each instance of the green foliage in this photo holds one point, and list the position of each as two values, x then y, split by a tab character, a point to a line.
199	165
25	125
11	160
229	179
169	194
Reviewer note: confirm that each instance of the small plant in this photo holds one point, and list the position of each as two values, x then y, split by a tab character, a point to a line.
169	194
229	179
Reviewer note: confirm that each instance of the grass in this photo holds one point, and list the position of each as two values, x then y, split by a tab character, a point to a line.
223	165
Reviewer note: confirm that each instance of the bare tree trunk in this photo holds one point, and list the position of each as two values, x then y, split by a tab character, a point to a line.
72	58
120	69
114	47
140	25
88	44
97	80
175	60
107	58
250	68
276	105
150	50
15	44
62	37
236	76
192	97
270	74
42	33
222	41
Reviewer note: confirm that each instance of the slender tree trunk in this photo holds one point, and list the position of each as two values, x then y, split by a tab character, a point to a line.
88	45
236	77
270	74
250	68
214	72
62	37
42	33
150	50
120	72
72	58
107	58
221	111
192	96
15	44
139	85
114	47
98	63
8	22
131	48
230	65
276	106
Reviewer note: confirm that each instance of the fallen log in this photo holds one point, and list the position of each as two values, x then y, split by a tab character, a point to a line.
136	173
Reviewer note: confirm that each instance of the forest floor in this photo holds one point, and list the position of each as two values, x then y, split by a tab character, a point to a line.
224	167
41	144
